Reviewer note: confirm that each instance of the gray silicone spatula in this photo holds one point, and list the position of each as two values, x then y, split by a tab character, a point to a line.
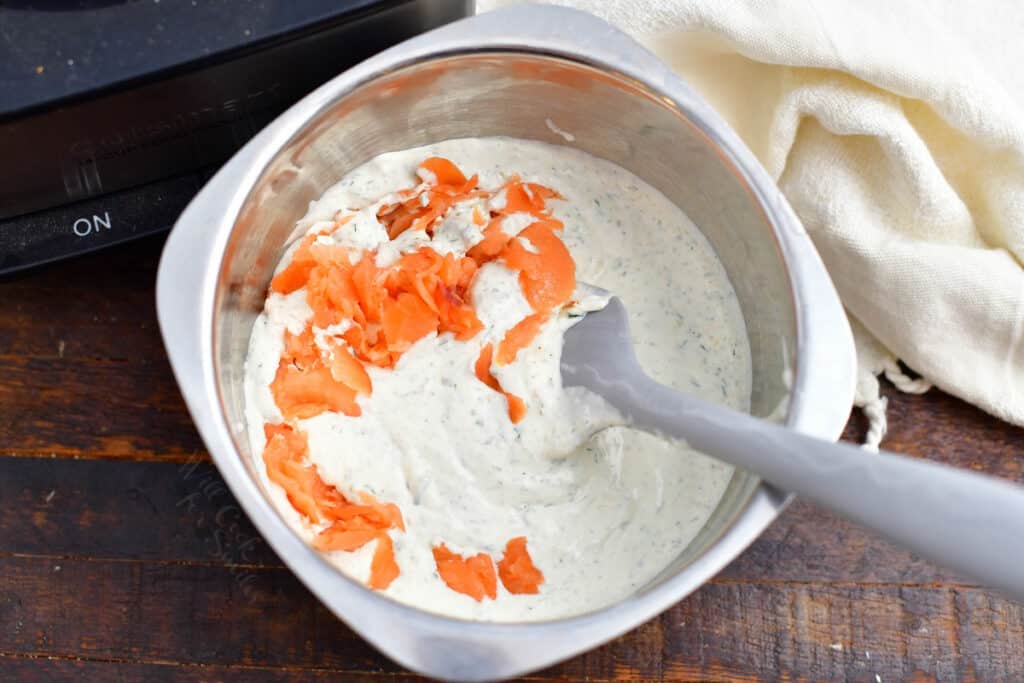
969	522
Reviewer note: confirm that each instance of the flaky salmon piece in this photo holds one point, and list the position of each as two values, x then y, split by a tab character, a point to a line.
473	576
350	525
482	369
516	569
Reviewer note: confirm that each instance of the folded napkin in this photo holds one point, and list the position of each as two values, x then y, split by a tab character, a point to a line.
896	131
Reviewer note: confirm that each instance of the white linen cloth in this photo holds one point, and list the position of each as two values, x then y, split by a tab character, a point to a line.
896	131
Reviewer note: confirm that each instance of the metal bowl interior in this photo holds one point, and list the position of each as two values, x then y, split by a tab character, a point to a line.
515	94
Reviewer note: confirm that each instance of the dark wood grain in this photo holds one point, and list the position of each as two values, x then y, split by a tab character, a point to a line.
123	556
173	512
59	670
171	612
93	408
84	372
100	306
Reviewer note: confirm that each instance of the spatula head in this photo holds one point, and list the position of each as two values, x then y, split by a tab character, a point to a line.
598	350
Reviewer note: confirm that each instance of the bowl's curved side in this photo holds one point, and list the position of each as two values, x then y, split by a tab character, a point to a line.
189	286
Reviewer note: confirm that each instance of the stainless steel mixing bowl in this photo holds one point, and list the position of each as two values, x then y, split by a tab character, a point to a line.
505	73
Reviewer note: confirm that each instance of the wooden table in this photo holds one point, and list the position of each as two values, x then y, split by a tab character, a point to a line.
122	556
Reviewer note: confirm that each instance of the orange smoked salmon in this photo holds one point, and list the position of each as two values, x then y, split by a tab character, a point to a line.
367	313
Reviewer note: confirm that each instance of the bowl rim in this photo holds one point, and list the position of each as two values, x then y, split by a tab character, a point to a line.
430	643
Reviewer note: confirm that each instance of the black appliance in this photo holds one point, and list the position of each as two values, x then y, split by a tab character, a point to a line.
114	112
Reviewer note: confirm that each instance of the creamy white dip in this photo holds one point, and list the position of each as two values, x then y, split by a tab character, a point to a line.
603	520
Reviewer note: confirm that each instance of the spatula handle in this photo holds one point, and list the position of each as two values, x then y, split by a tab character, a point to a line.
969	522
